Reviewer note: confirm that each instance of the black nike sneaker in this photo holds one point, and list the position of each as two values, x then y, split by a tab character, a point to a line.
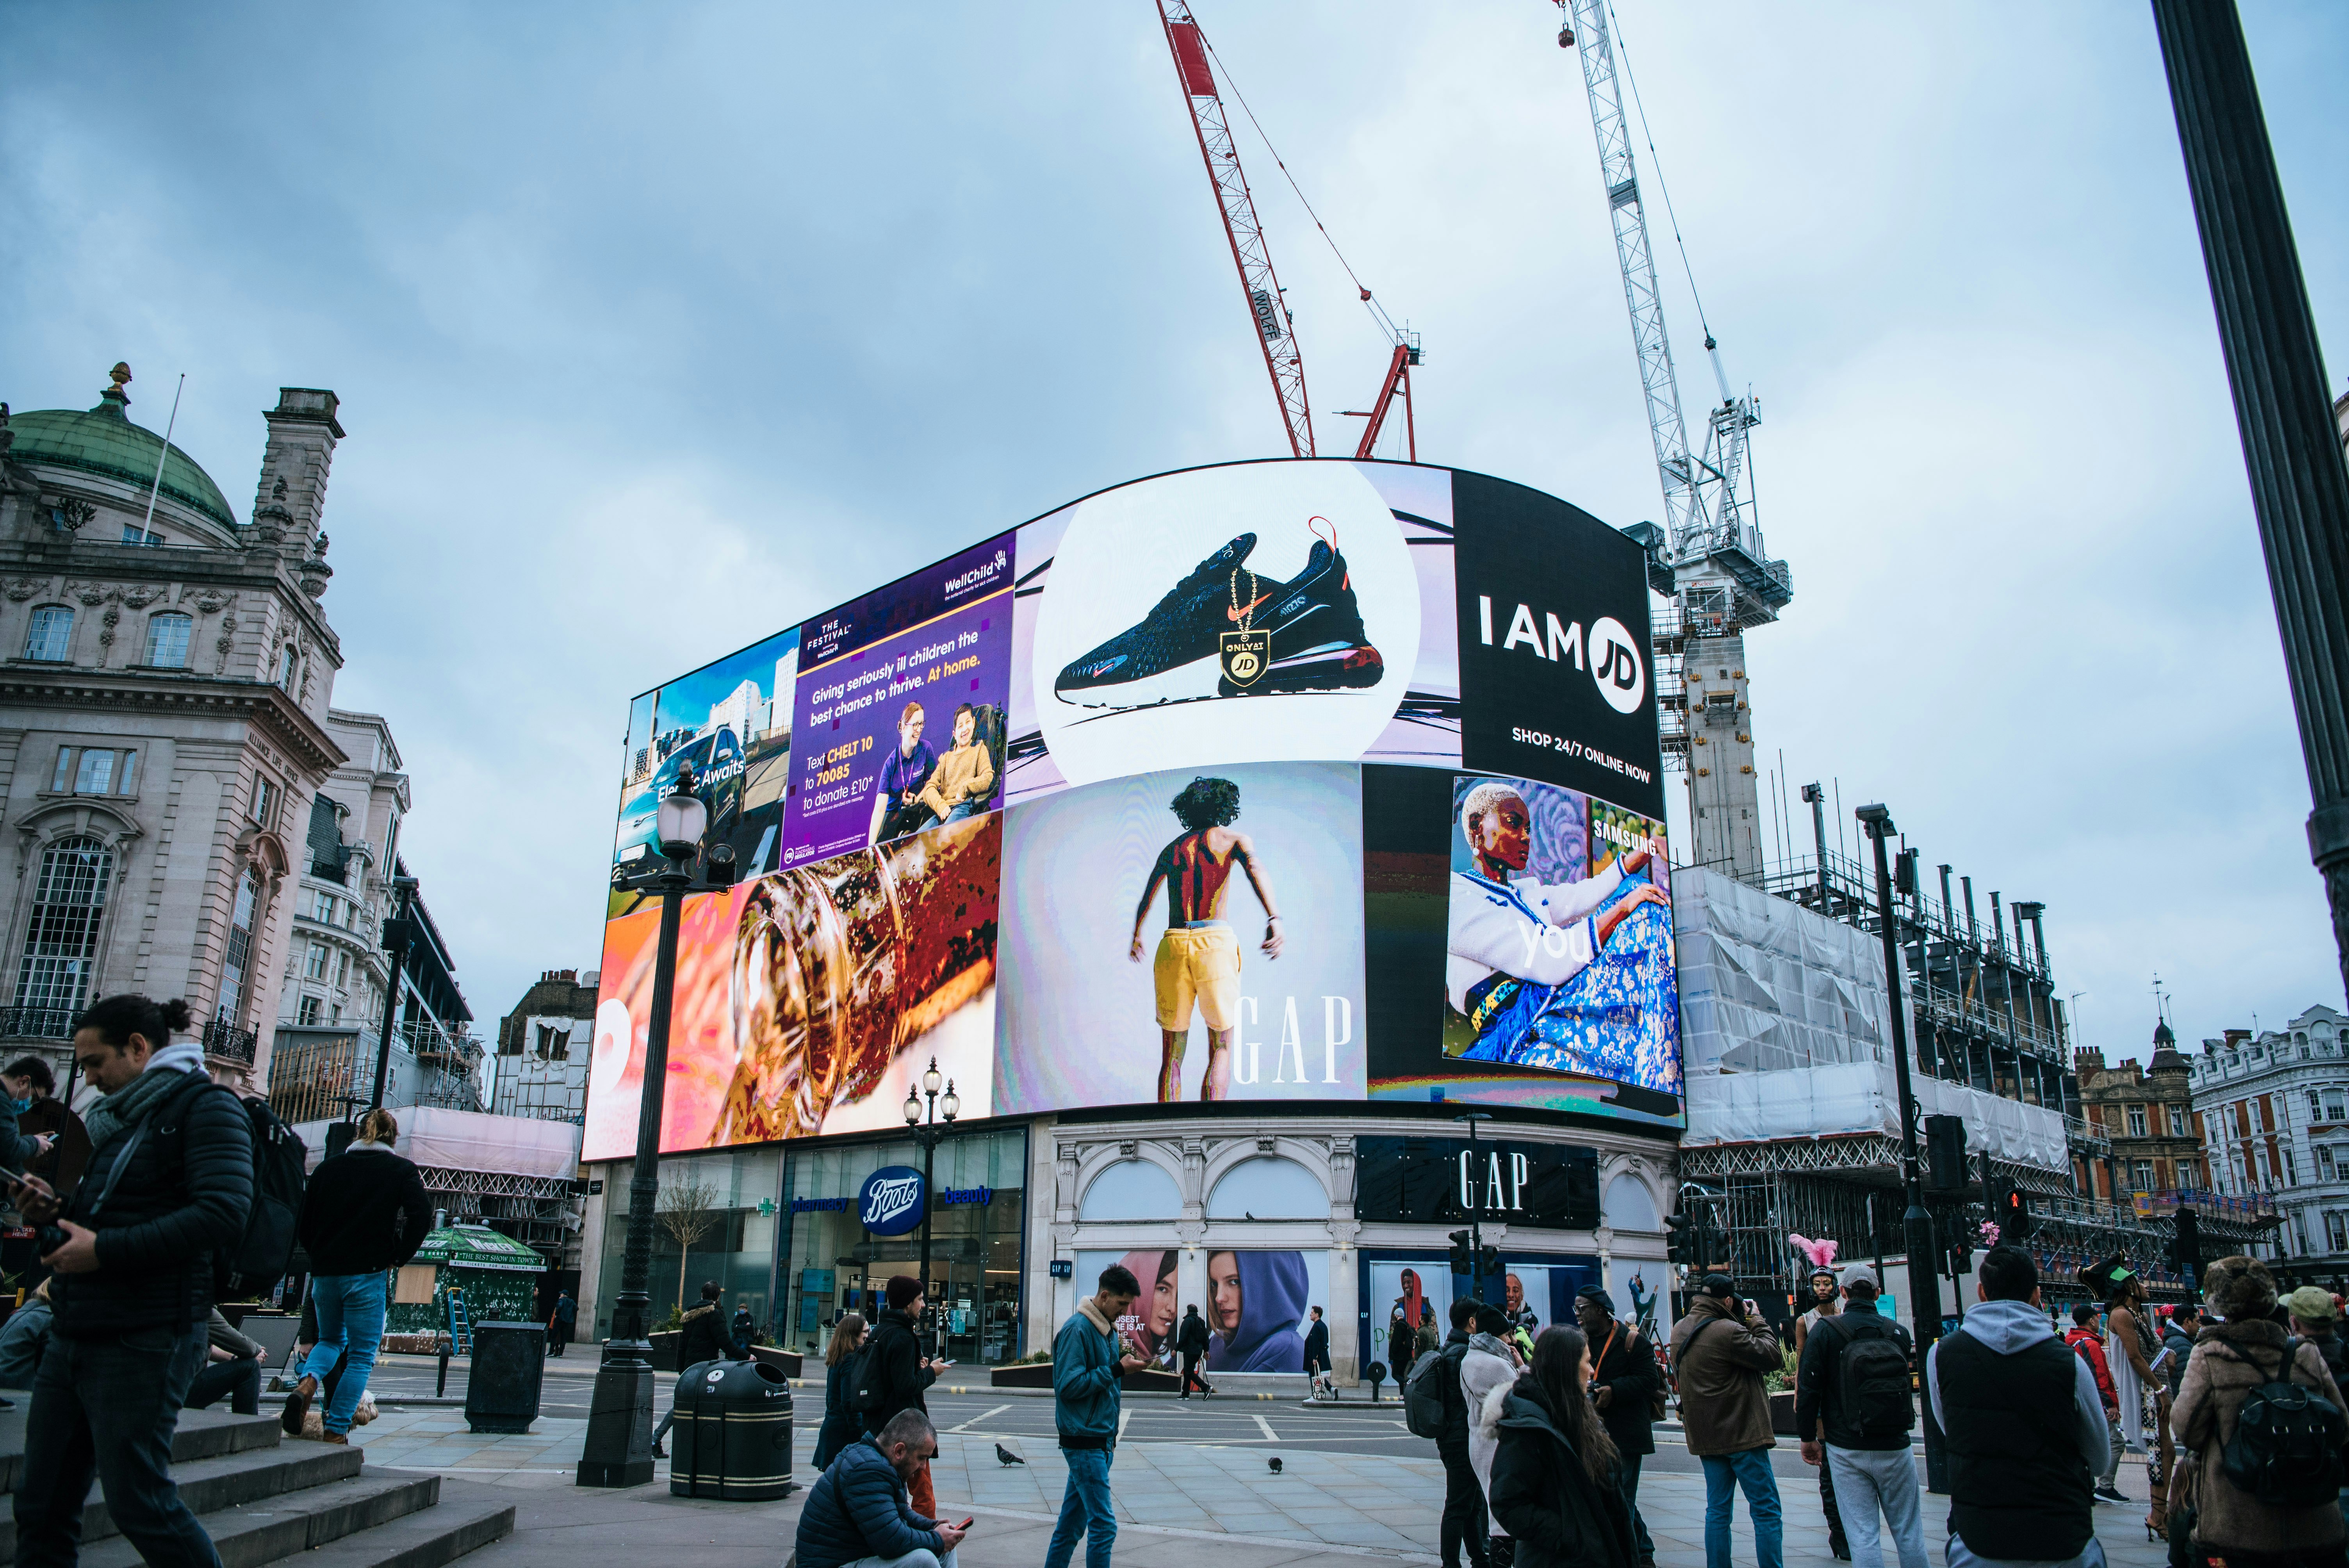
1172	655
1317	641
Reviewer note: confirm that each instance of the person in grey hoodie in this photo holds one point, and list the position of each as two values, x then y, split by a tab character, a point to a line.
1488	1372
2024	1427
23	1340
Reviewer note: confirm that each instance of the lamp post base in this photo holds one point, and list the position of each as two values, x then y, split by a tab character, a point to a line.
619	1446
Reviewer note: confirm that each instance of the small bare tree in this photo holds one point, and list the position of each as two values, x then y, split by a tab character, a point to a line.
687	1212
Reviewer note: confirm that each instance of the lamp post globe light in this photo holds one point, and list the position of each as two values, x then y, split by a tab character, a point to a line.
619	1446
927	1129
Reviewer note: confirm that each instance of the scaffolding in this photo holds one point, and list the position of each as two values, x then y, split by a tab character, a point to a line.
542	1212
328	1074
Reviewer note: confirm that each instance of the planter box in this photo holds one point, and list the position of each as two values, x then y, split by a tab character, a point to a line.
1782	1414
665	1344
788	1362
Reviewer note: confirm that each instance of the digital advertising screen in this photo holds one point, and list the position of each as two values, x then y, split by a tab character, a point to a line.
1314	782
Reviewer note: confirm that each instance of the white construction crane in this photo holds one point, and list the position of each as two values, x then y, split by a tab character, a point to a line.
1709	558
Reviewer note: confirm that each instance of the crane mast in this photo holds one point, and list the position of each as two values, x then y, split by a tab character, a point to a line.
1710	557
1276	333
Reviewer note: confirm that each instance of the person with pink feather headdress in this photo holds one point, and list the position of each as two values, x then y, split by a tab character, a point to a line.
1826	1301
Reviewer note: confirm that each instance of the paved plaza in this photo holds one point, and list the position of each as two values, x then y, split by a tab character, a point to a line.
1376	1496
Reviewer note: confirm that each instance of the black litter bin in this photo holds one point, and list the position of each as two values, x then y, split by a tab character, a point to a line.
509	1366
734	1434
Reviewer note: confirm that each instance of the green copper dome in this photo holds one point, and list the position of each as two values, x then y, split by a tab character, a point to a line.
104	441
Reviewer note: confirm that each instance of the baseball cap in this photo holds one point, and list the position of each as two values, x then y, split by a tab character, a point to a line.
1719	1286
2310	1304
1855	1274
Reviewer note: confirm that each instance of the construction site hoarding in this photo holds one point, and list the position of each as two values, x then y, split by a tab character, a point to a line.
1303	781
1787	1032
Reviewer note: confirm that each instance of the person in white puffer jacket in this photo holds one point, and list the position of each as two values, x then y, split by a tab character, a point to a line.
1488	1372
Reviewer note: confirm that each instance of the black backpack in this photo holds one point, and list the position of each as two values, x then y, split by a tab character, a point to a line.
2286	1450
1872	1378
280	1162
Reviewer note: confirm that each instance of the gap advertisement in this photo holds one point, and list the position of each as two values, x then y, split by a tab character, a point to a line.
1259	1305
1289	780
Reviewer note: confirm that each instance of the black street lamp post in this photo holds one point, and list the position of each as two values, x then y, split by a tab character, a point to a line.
396	936
2283	413
619	1446
1476	1226
1924	1274
927	1129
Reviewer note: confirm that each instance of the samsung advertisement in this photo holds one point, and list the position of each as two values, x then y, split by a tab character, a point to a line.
1301	781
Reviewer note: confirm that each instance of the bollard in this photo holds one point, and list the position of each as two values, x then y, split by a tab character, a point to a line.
501	1391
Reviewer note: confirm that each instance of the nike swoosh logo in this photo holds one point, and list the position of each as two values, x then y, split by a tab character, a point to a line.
1234	611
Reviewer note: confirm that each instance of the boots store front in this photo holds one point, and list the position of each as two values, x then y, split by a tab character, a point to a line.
1222	840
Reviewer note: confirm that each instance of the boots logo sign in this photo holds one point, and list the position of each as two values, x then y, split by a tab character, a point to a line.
1614	662
890	1202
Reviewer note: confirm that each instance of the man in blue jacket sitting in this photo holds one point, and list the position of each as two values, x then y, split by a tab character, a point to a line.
1088	1361
861	1512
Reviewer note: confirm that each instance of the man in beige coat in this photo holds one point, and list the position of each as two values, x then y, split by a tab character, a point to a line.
1720	1351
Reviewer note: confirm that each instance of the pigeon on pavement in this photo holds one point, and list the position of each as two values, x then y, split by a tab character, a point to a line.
1007	1456
1275	1463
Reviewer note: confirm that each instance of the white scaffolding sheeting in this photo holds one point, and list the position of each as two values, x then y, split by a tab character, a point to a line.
470	1140
1784	1031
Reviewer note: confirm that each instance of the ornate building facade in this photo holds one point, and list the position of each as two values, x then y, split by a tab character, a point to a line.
2148	1112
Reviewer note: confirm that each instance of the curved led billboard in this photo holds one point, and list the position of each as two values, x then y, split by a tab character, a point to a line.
1306	781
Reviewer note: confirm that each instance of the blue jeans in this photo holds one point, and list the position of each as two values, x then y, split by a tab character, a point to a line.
109	1406
1084	1507
350	1329
1723	1474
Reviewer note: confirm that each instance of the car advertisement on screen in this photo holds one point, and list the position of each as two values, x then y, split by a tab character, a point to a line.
1184	935
899	707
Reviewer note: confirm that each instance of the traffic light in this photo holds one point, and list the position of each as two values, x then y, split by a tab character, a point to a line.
1904	874
1945	1153
1680	1241
1462	1257
1488	1262
2185	1253
2015	1219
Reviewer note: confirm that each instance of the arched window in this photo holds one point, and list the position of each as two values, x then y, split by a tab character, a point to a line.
61	941
239	947
1628	1206
1132	1189
167	640
51	637
1269	1188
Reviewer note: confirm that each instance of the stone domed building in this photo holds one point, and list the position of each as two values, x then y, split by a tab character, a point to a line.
166	672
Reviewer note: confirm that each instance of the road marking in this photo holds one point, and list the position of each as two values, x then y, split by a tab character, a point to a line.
1124	1414
1269	1435
980	1416
1299	1548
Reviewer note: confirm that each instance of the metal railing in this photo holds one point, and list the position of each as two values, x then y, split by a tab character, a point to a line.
226	1041
37	1023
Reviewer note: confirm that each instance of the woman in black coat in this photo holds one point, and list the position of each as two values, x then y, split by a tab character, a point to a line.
841	1426
1554	1474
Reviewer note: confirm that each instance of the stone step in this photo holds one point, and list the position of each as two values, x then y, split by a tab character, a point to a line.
223	1481
430	1539
247	1535
201	1435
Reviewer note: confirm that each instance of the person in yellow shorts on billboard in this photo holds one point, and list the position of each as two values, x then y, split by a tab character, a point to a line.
1198	960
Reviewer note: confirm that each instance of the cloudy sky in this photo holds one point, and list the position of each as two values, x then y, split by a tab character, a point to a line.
657	329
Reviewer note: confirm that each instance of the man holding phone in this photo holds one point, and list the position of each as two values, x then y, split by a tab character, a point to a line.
1721	1350
1089	1364
861	1509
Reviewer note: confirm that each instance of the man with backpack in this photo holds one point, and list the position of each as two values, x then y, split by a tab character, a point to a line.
1853	1384
365	1214
1434	1406
2024	1427
1720	1350
167	1191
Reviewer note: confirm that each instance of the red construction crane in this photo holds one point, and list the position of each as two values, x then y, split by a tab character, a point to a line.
1275	332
